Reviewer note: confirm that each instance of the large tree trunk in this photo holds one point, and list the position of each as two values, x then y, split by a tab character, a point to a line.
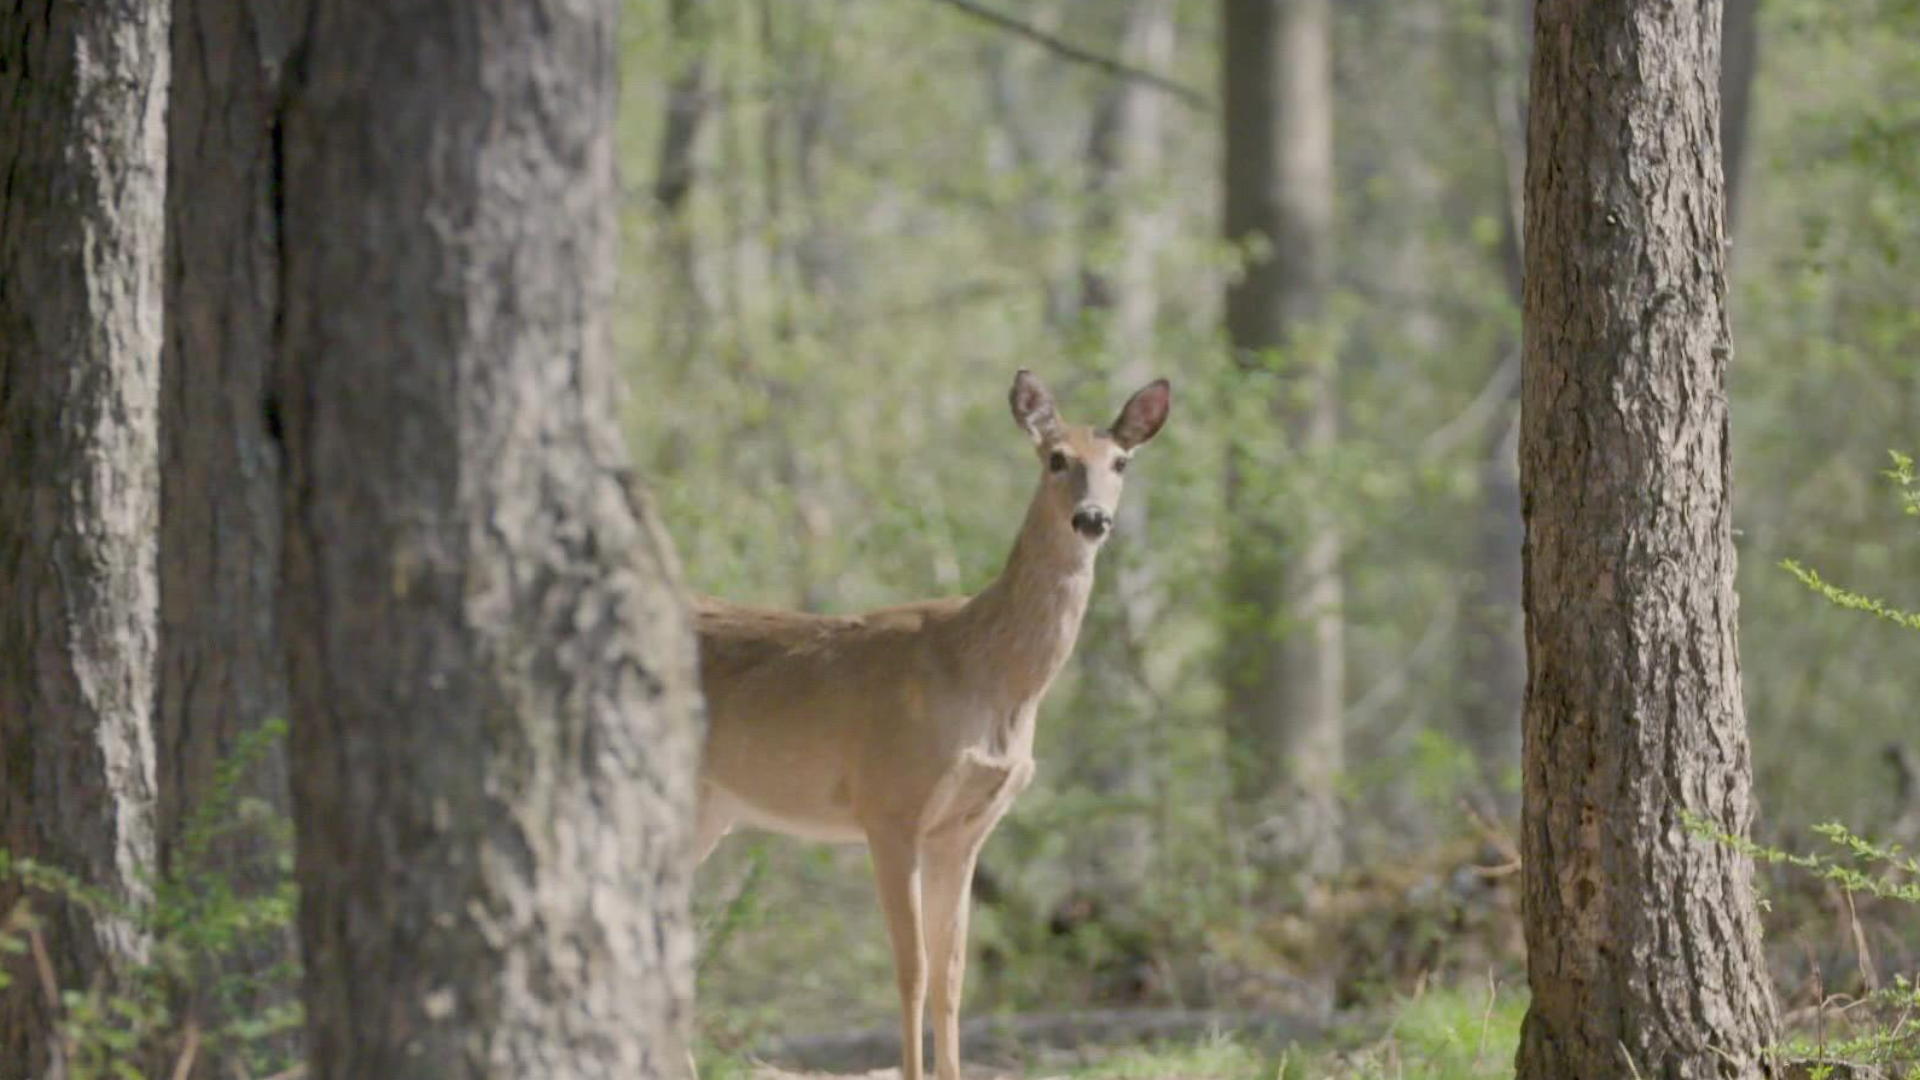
495	730
219	669
82	179
1113	712
1284	657
1642	939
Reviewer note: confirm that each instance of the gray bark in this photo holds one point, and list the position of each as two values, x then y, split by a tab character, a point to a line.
82	178
219	672
495	725
1285	670
1643	941
1113	713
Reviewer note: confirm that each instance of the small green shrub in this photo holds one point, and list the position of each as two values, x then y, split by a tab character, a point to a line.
219	980
1874	1030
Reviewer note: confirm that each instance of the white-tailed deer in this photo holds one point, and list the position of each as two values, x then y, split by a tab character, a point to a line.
911	727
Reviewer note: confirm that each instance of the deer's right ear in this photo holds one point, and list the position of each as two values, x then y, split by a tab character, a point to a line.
1033	407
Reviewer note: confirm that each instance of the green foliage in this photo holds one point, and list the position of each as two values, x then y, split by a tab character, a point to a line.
1856	865
210	943
1901	473
1873	1029
1895	879
1437	1035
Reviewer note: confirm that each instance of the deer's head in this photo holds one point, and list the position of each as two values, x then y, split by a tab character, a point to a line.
1083	468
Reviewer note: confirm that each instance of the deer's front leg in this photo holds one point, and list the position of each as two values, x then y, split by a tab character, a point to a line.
950	859
982	789
896	869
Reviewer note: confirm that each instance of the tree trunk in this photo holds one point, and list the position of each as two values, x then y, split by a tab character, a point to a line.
1643	942
689	103
1284	656
1113	712
219	671
82	179
495	726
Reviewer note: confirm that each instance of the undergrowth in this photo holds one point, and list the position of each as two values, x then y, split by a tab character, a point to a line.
1876	1029
219	981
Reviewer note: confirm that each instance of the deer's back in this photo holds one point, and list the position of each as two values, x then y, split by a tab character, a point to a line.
736	640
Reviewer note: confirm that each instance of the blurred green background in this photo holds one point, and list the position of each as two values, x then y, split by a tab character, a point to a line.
885	207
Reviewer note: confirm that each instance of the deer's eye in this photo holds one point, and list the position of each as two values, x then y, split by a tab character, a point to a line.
1120	464
1057	462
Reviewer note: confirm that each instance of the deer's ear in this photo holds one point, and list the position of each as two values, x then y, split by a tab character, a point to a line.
1144	412
1033	407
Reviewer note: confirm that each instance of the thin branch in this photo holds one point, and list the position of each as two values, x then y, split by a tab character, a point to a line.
1510	132
1119	69
1394	683
1480	412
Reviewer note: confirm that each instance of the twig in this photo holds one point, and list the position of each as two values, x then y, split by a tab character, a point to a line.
1479	412
183	1067
1486	1017
1067	50
43	964
1394	683
58	1047
1867	971
1496	835
1509	123
1632	1067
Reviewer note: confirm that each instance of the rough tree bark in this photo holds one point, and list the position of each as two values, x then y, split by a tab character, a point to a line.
219	671
82	178
1285	668
1113	710
495	726
1643	941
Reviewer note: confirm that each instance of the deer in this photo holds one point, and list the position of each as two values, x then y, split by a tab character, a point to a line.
911	728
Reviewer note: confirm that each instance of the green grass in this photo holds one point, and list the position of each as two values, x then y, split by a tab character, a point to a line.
1450	1034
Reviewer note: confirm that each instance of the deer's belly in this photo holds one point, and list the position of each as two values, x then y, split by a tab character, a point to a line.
810	823
783	786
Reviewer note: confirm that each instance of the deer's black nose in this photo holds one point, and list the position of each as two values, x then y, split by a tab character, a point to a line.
1091	522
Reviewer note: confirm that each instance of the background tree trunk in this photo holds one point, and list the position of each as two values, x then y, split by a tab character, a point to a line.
1643	942
219	670
1113	711
494	717
1739	62
82	178
1284	657
689	104
1493	644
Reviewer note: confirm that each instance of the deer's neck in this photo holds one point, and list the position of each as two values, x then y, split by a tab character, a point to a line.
1021	628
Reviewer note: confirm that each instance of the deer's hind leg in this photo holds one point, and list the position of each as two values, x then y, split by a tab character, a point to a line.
713	820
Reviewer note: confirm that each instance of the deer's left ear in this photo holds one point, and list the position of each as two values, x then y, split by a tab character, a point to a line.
1032	406
1144	412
